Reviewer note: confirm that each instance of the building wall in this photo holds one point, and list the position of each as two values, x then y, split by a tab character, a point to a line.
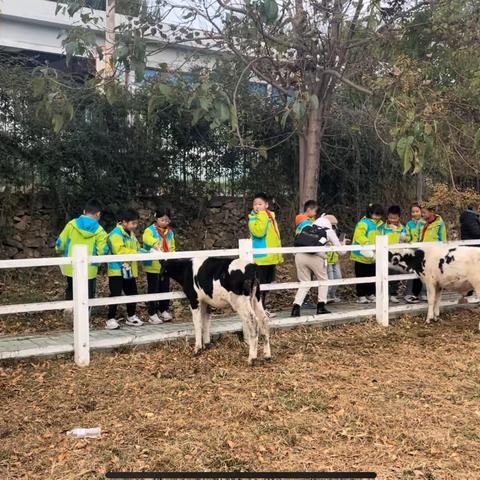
32	25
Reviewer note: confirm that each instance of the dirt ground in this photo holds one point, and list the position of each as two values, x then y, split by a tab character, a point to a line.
402	401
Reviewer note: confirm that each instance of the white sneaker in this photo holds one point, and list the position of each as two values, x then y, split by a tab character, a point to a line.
270	314
133	321
473	299
68	314
154	320
372	298
112	324
166	316
394	299
362	300
412	299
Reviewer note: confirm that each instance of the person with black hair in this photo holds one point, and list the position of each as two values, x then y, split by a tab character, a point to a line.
84	230
365	233
265	234
158	236
396	233
414	232
470	223
122	275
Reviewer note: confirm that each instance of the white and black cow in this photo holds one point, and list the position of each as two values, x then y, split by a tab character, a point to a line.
441	267
219	283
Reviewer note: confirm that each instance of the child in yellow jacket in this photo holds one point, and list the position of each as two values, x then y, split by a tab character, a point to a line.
122	275
158	236
265	234
84	230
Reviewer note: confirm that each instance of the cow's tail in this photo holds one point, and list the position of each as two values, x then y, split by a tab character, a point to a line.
254	292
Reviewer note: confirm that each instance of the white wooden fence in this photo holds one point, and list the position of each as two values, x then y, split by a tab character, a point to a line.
81	303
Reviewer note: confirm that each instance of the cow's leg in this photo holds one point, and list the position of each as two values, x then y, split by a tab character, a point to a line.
438	298
197	325
241	304
431	295
264	327
206	320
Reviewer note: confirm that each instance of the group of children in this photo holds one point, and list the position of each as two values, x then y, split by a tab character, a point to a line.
122	276
424	225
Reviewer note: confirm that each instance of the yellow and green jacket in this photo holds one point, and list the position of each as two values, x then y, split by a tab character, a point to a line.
434	231
265	234
365	233
121	242
152	238
414	230
394	232
83	230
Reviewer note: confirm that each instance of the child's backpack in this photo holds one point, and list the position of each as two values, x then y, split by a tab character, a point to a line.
311	236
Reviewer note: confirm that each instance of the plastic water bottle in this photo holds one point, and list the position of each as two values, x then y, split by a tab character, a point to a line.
126	271
85	432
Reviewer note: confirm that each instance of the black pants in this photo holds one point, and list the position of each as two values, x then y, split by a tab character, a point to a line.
92	288
365	270
417	287
265	274
158	283
117	286
393	286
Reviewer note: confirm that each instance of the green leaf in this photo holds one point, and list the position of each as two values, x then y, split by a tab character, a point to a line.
38	84
402	145
70	49
408	159
263	151
393	146
197	115
205	103
58	122
222	112
270	9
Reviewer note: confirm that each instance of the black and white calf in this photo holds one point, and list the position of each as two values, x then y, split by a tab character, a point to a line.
219	283
441	267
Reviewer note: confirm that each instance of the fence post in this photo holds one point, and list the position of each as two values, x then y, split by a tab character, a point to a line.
381	262
245	252
81	327
245	249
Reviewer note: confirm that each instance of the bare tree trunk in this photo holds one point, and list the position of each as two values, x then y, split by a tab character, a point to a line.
109	38
311	170
301	169
419	187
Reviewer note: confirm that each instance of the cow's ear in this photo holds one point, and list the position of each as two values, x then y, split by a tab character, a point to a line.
390	255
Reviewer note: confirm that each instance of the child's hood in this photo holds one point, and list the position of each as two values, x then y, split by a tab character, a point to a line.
86	226
301	218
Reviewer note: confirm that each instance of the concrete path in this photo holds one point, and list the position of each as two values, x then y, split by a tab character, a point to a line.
56	343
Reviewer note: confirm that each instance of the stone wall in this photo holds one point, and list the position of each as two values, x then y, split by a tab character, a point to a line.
29	227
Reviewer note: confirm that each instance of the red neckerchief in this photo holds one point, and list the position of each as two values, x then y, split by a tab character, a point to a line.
425	227
275	226
163	236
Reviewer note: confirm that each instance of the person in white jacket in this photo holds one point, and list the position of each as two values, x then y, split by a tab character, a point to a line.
315	264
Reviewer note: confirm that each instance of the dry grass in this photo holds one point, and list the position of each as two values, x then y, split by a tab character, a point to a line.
403	401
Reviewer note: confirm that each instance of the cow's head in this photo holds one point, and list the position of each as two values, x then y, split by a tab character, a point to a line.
177	269
407	260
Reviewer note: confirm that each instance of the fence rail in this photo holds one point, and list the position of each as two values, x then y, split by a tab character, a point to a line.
81	260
